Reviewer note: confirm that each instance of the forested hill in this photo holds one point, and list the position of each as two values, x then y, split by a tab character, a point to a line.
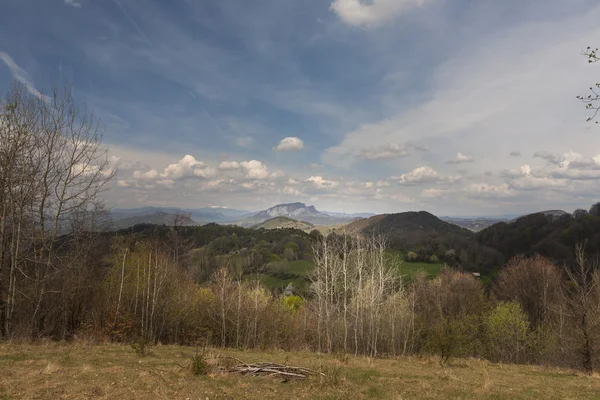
427	236
407	226
553	237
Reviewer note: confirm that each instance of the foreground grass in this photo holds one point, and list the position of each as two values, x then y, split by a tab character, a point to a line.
77	371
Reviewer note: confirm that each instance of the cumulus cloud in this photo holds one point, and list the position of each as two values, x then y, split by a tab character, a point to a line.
255	169
460	159
152	174
374	12
419	175
292	191
320	183
386	152
289	143
229	165
187	167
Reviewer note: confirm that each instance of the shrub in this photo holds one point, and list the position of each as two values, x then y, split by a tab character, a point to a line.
141	347
434	259
453	337
412	256
199	365
294	303
508	332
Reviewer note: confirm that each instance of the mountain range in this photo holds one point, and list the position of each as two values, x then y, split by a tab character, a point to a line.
123	218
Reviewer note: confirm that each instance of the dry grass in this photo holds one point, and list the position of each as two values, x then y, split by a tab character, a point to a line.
79	371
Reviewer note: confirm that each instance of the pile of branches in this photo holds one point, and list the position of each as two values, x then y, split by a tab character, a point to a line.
273	369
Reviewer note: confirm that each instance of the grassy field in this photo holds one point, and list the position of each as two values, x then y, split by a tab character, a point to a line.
408	269
78	371
279	274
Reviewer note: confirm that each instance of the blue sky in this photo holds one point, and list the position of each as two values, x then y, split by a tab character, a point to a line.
458	107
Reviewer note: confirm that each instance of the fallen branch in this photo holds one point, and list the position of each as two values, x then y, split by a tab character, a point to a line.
273	369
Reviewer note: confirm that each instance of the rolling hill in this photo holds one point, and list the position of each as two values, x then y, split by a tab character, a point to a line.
404	224
157	218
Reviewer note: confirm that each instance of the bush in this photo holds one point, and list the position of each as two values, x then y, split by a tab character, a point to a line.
294	303
199	365
141	347
507	333
411	256
453	337
434	259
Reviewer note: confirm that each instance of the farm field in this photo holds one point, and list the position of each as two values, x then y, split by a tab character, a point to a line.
279	274
77	371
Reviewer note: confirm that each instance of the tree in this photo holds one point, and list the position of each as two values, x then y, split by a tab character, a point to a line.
52	169
592	100
580	213
535	284
583	301
507	332
595	210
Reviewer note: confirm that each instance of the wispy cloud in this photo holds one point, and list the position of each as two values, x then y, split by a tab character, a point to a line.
135	25
73	3
20	75
373	13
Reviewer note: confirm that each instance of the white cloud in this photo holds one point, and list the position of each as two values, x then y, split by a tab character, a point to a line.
22	76
152	174
460	159
170	184
517	71
529	182
385	152
289	143
320	183
255	169
419	175
485	190
432	193
292	191
73	3
374	12
188	167
229	165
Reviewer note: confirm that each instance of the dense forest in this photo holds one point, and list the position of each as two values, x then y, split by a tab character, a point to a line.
425	235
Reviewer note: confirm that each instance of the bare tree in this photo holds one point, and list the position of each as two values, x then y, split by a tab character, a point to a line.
591	100
53	167
583	299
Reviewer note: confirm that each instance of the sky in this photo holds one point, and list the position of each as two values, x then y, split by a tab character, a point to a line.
457	107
